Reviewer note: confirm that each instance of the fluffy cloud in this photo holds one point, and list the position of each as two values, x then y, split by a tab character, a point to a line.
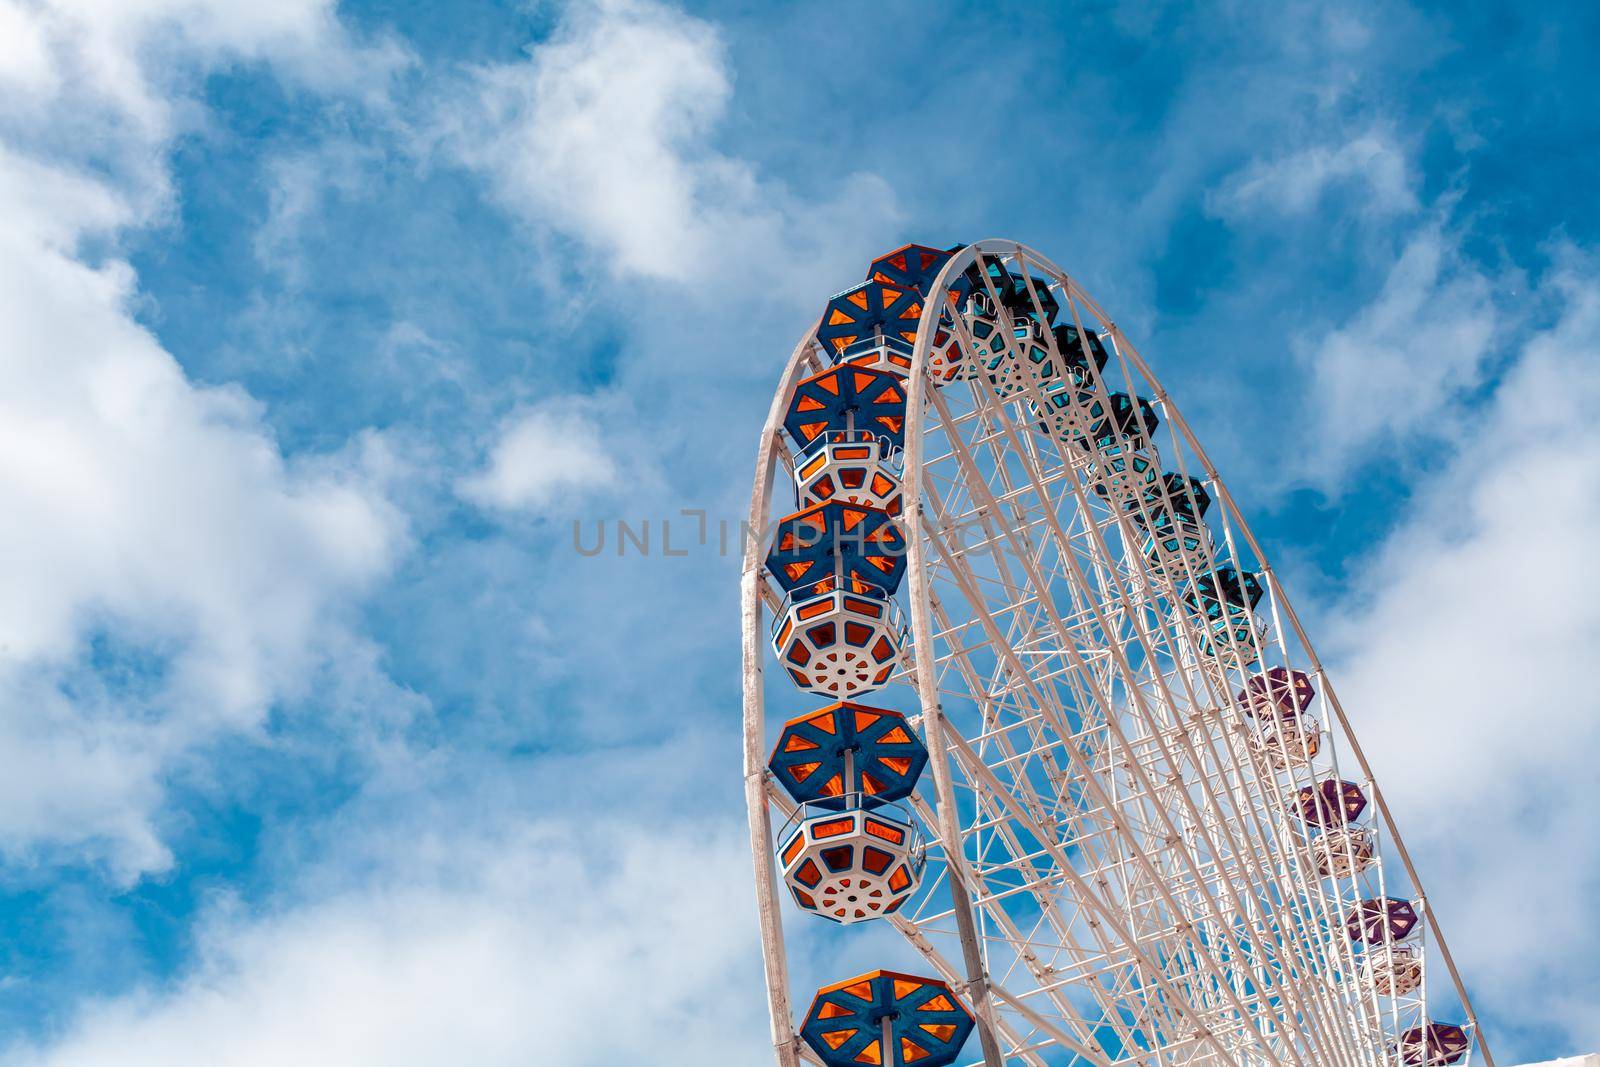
1462	653
1371	163
604	135
556	943
165	573
1388	375
120	61
553	449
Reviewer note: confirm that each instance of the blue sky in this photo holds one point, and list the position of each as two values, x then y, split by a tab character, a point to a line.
320	325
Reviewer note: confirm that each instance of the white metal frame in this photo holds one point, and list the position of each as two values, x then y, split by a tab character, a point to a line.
1121	881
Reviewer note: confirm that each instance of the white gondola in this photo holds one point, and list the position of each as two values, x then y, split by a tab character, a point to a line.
854	465
839	644
852	865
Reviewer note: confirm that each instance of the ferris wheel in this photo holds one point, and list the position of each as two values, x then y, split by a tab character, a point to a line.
1040	704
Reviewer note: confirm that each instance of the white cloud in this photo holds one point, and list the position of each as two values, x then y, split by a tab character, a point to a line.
555	449
24	53
298	184
165	574
1464	654
125	58
604	135
1371	164
1386	376
576	944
